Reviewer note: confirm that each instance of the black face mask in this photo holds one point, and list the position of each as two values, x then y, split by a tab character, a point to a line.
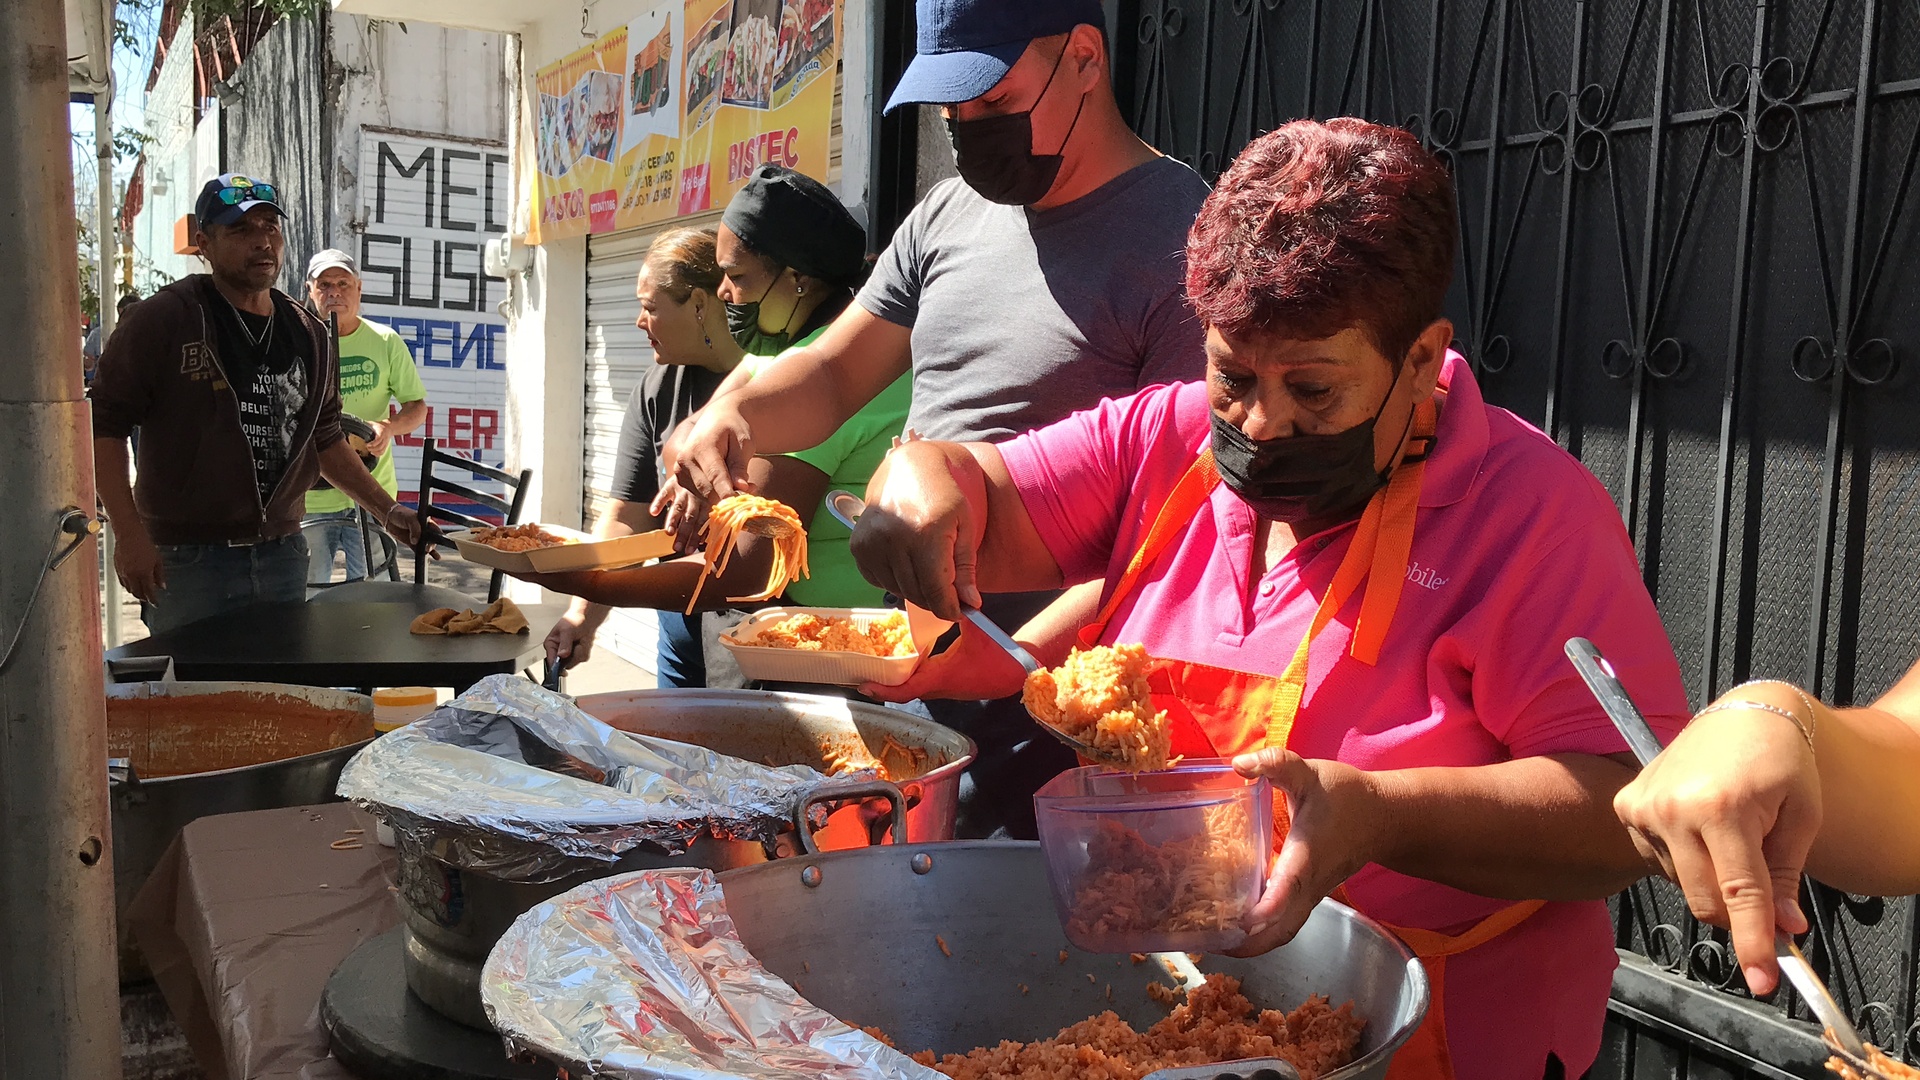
743	322
995	153
1301	477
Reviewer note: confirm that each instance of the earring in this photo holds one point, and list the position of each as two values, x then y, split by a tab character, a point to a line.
799	290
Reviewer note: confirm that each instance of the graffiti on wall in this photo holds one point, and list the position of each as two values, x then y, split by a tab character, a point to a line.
429	207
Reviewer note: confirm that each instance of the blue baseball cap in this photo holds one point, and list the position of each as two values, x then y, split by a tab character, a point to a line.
966	47
226	199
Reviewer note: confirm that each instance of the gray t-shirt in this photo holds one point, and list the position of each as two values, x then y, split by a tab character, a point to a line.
1022	317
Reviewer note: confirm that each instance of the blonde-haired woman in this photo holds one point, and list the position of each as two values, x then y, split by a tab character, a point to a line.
686	324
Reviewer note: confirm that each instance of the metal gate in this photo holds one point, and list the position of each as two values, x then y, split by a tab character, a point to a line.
1691	254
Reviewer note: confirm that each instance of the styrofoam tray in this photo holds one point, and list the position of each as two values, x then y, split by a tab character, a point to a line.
589	554
765	662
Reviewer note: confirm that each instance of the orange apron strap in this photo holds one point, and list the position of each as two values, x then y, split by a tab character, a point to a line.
1186	499
1426	1056
1401	506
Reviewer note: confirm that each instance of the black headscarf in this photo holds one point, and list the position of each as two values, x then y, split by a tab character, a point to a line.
794	220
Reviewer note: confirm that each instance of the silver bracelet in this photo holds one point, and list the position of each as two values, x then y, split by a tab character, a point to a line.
1813	713
1806	732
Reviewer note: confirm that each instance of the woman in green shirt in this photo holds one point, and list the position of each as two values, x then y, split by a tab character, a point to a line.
791	256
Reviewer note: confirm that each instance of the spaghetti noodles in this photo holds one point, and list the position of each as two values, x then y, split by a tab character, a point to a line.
763	517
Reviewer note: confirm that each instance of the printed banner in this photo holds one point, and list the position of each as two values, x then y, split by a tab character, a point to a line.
429	207
668	115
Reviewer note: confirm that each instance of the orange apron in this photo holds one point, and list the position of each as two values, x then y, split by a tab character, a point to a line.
1216	712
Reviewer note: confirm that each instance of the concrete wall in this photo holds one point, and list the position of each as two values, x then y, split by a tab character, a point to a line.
177	164
279	130
419	79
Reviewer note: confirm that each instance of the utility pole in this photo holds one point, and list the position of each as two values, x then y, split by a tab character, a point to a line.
59	997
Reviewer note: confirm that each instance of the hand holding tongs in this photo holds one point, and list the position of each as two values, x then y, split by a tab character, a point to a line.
848	507
1633	727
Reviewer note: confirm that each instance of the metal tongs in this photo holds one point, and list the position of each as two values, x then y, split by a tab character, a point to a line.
1843	1037
847	507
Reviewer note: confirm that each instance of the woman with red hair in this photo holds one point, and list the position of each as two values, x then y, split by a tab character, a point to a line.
1356	577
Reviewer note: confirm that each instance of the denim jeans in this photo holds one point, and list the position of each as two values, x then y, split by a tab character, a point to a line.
207	579
336	532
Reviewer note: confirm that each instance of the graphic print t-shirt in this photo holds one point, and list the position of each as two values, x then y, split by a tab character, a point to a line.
376	370
265	362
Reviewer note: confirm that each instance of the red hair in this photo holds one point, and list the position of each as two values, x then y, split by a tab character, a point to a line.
1318	227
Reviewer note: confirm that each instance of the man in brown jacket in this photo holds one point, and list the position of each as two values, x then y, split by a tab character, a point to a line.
235	391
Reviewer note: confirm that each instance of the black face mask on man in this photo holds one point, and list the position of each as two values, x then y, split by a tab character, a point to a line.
1302	477
995	153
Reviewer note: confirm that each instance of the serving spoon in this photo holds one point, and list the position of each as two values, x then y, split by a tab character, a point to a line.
847	507
1633	727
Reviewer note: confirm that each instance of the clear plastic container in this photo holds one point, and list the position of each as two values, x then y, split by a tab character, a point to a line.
1168	861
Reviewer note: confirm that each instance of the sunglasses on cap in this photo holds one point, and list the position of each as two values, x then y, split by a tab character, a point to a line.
244	190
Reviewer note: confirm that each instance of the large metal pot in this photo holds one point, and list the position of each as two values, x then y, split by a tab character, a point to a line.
861	934
924	758
453	916
186	750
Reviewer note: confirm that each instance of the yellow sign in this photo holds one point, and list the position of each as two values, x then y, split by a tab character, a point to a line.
670	114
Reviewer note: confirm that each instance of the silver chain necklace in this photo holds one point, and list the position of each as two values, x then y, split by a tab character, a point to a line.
260	343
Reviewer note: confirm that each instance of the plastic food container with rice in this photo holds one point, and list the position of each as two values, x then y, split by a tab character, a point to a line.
805	632
1168	861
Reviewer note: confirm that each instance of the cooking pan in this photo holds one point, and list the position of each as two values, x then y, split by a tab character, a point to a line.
861	934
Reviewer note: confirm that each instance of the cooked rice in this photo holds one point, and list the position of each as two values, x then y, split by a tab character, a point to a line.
885	637
1217	1023
1100	697
518	538
1197	884
1884	1067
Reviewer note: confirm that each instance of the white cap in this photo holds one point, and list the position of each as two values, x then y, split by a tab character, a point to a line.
324	261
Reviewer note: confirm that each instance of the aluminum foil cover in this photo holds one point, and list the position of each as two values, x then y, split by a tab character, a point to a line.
644	976
514	780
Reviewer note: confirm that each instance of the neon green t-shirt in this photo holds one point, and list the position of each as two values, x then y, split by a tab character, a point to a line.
376	368
849	458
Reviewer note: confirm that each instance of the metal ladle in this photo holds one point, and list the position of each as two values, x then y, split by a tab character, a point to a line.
1633	727
847	507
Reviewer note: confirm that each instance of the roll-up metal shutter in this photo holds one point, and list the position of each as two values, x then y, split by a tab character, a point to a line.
617	359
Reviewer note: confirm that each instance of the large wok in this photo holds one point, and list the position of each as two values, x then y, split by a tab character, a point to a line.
855	932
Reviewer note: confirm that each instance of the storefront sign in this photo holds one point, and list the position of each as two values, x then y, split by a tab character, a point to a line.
668	115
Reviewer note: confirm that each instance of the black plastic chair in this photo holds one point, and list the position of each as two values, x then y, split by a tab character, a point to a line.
431	513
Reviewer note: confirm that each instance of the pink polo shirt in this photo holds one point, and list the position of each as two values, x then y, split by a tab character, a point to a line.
1516	549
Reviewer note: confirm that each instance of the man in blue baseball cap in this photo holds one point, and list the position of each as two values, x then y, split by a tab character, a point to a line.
236	392
1048	276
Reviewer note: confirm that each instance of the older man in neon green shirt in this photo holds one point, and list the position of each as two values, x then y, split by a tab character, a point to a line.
376	369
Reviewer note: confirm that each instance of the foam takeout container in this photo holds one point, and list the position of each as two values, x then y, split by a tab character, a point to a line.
772	664
587	554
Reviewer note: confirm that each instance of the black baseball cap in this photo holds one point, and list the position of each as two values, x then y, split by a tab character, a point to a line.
226	199
966	47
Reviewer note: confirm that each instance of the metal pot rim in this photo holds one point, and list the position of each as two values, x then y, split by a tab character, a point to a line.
347	750
971	750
